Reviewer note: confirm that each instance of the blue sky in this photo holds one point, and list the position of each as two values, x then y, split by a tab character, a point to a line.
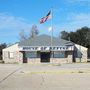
18	15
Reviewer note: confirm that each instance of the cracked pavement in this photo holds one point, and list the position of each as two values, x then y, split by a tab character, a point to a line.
45	76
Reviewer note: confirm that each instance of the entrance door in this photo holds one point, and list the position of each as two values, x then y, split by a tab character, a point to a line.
45	56
74	54
24	57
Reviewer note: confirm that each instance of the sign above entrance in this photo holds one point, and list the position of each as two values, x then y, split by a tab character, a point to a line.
47	48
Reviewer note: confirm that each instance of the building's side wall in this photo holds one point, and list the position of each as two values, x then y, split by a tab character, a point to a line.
59	60
33	60
83	51
68	58
52	60
11	54
88	53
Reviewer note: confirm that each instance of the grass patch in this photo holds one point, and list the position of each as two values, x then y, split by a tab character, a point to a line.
80	72
11	63
57	72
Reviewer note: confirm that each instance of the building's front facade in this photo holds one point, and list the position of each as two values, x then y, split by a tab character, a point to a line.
40	49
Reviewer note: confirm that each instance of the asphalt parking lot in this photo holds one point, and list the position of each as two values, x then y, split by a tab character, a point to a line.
45	76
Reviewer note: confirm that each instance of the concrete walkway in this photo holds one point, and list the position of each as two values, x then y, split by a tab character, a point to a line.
45	76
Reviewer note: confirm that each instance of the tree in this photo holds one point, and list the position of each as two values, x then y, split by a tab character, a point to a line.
2	46
83	37
80	36
88	37
34	31
64	35
22	35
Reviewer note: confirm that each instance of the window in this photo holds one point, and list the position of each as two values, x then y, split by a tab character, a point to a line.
79	54
31	54
11	55
58	54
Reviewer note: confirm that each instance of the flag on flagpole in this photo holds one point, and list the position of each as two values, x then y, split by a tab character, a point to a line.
50	29
47	17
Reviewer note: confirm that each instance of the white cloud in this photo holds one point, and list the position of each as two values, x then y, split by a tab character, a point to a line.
81	19
12	22
11	26
74	22
74	1
81	16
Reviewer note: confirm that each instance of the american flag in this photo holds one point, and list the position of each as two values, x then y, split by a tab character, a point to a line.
47	17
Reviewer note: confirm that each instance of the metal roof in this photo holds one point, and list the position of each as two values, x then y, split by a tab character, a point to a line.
44	40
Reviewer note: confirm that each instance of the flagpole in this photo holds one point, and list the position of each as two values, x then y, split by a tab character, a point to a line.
52	26
52	31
